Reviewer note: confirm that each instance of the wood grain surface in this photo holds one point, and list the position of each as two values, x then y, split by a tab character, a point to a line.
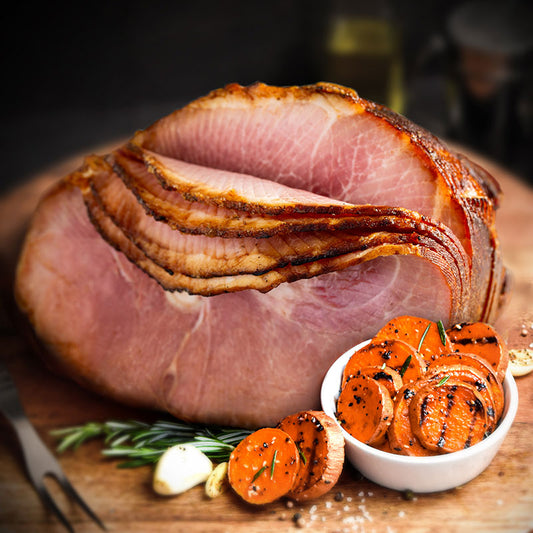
499	500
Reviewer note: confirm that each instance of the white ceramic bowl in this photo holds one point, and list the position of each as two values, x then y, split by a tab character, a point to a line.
419	474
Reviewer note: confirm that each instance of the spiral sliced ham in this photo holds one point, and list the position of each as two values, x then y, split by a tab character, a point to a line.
216	264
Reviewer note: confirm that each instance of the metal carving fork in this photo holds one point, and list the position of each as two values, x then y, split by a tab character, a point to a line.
39	461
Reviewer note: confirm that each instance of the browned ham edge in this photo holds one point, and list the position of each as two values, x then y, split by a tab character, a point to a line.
274	260
357	219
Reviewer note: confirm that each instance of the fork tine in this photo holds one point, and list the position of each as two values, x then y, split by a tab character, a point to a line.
51	505
71	491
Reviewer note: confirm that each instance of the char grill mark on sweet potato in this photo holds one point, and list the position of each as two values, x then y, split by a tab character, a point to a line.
385	375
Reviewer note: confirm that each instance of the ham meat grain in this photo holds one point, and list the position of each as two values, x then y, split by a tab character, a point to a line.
216	264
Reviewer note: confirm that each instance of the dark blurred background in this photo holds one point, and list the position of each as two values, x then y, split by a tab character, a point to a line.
84	74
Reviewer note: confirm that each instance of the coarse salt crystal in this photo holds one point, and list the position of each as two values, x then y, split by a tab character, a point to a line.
328	505
401	514
365	513
312	509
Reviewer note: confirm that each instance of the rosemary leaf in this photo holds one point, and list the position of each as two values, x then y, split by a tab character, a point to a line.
121	439
442	332
127	451
273	465
423	337
74	437
442	381
304	459
65	431
73	440
405	365
258	473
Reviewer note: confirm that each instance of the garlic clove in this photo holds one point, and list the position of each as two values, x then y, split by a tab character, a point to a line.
180	468
217	482
521	361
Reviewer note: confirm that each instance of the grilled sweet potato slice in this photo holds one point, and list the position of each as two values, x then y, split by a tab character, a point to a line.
472	377
448	417
480	364
364	409
481	339
263	467
425	336
321	446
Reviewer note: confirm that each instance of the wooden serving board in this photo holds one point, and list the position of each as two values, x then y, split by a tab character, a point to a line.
499	500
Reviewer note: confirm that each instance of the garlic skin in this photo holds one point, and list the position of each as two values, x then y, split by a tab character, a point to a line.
180	468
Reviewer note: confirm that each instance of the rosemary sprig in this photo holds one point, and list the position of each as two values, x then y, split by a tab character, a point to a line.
442	381
302	456
142	443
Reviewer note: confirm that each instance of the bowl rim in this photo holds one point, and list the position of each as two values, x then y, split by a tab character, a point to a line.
507	418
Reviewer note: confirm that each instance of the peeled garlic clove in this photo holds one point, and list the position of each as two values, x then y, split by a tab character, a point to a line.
216	483
521	361
181	468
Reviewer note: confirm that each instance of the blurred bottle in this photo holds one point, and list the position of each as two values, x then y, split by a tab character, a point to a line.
363	51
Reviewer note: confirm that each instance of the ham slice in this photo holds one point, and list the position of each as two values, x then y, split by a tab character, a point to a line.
219	262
